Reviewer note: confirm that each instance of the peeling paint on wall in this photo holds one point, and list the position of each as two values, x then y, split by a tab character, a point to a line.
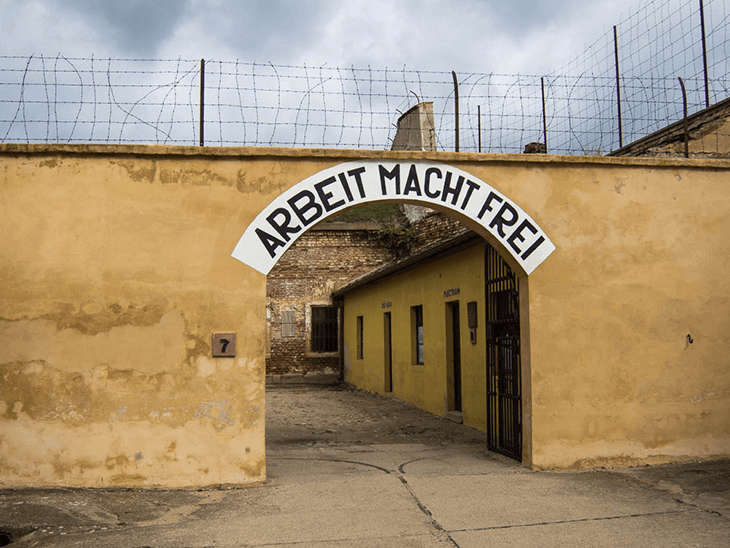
111	291
115	271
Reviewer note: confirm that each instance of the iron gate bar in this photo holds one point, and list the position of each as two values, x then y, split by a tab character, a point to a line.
504	380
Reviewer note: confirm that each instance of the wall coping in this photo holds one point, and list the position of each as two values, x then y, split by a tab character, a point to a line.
41	149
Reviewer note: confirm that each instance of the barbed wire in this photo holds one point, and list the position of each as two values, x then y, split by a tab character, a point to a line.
152	101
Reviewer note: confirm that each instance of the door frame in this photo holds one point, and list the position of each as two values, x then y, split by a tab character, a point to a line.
387	352
454	396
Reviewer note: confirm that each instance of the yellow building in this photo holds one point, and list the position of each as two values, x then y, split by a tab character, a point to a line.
423	328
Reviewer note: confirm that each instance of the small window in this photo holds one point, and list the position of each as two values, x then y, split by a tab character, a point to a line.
360	339
324	329
417	334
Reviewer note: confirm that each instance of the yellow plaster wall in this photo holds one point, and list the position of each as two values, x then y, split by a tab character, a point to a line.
422	385
642	260
115	270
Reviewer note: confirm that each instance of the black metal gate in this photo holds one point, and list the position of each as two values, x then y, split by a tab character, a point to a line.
504	379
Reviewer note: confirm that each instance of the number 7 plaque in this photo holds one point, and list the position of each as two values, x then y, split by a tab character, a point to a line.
224	345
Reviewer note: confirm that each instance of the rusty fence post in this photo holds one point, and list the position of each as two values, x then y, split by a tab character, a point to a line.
618	89
202	102
704	54
686	122
456	109
479	125
544	116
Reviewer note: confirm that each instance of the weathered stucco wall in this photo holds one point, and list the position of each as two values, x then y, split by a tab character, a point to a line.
641	262
115	271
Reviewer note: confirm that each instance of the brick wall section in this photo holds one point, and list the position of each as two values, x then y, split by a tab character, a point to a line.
434	227
319	262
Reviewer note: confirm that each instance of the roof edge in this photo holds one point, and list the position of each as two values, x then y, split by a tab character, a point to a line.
673	130
442	247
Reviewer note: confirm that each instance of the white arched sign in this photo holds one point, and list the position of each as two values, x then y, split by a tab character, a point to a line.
357	183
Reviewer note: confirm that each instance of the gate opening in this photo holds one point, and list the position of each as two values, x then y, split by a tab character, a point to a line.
453	346
504	378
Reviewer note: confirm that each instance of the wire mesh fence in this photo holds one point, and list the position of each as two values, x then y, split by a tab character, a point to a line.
71	100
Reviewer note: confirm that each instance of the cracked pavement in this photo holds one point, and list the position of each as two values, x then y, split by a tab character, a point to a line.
347	468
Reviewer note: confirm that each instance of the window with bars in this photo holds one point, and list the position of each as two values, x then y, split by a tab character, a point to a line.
324	329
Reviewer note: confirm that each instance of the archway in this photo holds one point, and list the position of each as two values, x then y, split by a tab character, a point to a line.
492	215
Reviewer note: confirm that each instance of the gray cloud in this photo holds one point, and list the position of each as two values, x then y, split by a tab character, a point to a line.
520	18
275	30
134	27
462	35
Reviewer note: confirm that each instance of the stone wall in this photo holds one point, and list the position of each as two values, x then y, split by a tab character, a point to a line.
416	131
320	261
115	272
433	227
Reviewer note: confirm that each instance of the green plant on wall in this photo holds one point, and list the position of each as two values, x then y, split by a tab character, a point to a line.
399	239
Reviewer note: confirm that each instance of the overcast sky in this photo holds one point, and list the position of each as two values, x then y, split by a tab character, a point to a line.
528	37
393	43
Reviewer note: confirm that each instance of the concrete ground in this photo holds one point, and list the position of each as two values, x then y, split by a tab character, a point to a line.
348	469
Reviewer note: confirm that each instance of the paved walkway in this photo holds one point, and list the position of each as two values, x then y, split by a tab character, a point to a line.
415	492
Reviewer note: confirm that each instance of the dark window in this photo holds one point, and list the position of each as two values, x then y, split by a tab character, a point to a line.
417	334
324	329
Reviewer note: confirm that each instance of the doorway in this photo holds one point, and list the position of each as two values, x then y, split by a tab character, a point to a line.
453	346
387	353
